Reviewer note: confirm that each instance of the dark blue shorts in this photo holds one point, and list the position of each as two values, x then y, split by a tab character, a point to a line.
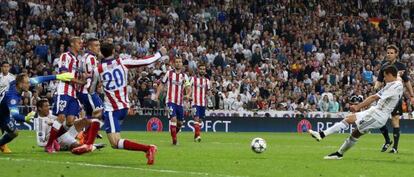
7	124
112	120
199	111
175	110
90	102
65	104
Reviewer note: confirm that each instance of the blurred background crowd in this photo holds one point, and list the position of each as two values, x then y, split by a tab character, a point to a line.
266	54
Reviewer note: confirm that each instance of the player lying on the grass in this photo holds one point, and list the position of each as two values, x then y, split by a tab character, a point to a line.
113	74
10	98
43	121
373	118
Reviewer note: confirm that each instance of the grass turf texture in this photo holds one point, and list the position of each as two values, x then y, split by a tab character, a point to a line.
219	154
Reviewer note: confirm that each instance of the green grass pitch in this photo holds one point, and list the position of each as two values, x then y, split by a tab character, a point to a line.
219	154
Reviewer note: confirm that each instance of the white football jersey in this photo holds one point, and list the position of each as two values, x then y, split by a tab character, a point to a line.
42	126
390	95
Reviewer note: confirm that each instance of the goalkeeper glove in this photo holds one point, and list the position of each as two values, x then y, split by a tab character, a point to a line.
29	116
65	76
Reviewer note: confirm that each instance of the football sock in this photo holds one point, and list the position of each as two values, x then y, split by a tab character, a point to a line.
396	134
56	126
93	130
349	142
173	130
196	129
336	128
129	145
384	131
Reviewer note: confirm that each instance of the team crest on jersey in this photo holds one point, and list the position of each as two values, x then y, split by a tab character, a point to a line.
62	105
13	101
154	124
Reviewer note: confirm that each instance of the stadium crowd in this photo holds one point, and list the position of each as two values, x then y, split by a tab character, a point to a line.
266	54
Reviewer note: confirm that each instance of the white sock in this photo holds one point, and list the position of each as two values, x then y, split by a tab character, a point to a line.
336	128
349	142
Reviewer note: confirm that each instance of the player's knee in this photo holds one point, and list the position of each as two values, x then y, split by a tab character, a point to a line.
197	119
61	118
179	123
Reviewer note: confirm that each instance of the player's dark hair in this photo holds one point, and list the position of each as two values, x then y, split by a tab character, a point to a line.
20	77
202	64
393	47
391	69
40	103
4	63
90	40
107	49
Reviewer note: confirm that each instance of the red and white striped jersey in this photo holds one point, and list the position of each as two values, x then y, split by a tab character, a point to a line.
67	63
88	62
175	86
113	74
199	87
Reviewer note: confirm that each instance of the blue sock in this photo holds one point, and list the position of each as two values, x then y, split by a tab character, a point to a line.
6	138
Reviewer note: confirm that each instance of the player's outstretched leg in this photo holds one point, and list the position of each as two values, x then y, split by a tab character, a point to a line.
88	145
334	129
118	143
349	142
388	142
6	138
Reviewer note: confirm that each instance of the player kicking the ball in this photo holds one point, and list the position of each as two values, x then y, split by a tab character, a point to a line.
373	118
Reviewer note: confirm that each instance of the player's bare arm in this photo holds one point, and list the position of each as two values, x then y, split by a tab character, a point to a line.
368	101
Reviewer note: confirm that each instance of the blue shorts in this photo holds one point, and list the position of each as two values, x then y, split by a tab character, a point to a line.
199	111
7	124
90	102
175	110
112	120
65	104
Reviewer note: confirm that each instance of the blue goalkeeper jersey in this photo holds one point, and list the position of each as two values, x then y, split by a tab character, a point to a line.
10	98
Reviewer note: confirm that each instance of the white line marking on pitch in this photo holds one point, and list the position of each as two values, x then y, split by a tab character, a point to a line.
117	167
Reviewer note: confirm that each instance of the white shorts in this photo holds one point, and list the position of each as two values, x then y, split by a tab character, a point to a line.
370	119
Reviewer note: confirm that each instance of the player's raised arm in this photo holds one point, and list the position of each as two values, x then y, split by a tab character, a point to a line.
129	63
368	101
62	77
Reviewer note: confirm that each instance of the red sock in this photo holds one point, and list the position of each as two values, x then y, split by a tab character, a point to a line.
86	134
52	136
91	134
196	130
129	145
173	130
61	131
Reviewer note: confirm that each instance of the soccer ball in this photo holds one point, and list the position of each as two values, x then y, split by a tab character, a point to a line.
258	145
